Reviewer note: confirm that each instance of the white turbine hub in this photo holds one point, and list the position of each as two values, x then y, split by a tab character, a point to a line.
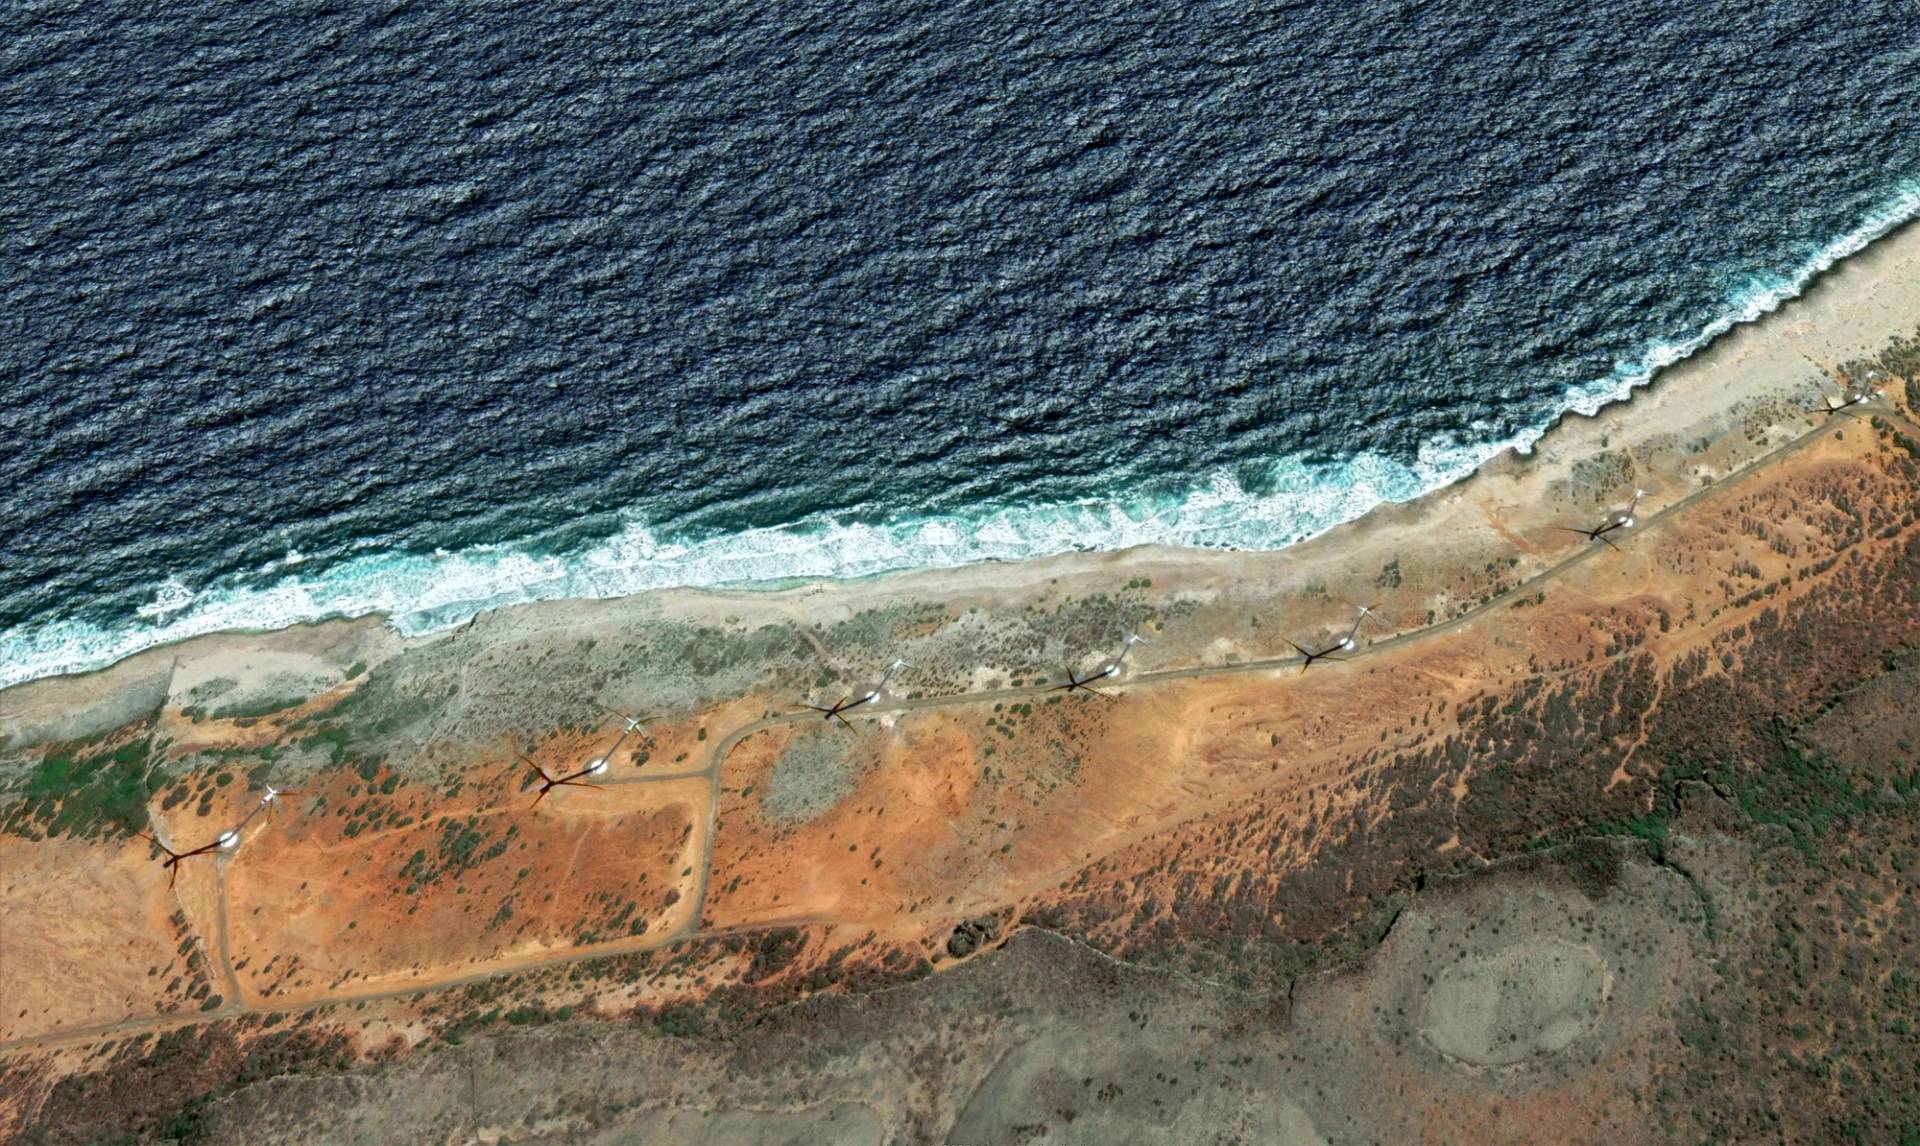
229	839
598	766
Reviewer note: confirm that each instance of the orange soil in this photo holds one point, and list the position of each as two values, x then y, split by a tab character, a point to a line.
952	811
313	912
86	935
961	817
948	816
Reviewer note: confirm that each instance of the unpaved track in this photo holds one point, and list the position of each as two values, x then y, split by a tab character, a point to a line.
235	1006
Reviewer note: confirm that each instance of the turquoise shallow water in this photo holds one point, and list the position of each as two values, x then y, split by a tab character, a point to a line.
436	310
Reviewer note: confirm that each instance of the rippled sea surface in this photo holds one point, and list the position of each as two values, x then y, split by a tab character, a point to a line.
319	309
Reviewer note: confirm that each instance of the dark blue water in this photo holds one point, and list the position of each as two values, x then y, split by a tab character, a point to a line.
603	296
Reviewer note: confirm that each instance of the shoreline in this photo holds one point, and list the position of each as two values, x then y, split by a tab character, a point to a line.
1826	319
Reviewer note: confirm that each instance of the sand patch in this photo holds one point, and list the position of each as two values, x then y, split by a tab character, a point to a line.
1528	1001
1079	1085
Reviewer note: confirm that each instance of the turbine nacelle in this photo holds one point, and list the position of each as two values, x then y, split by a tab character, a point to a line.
228	839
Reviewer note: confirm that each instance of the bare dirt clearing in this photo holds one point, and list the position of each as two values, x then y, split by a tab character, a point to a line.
313	910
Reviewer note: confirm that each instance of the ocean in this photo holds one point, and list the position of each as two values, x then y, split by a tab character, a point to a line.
321	309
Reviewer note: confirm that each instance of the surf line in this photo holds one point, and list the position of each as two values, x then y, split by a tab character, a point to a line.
424	593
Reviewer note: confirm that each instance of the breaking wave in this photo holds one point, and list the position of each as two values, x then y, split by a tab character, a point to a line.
424	592
420	593
1758	299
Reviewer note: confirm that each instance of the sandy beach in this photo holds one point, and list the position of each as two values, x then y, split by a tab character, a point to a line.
1702	419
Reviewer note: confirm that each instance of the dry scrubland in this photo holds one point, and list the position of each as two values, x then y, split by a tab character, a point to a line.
1581	846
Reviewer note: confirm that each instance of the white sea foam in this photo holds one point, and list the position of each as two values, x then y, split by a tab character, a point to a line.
424	592
169	598
1760	298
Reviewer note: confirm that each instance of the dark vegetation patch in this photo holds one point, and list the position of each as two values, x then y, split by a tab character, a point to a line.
461	846
83	789
258	709
154	1087
772	951
1231	899
783	965
1810	1033
610	915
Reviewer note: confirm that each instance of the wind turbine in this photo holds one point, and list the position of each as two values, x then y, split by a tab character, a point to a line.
1855	395
573	779
630	725
867	695
1108	668
1614	521
1345	644
172	863
265	804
